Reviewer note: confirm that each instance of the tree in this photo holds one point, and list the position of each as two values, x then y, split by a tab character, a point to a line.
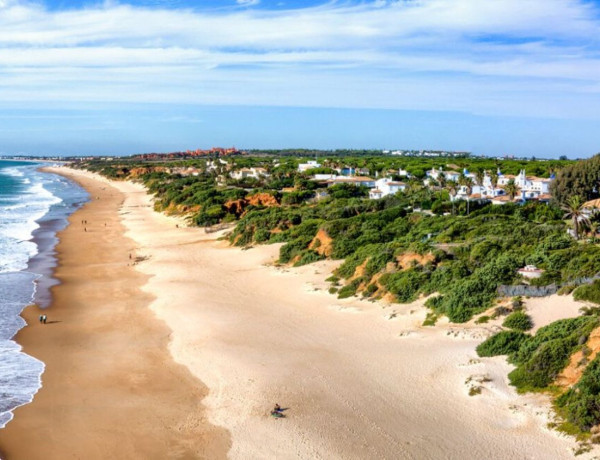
452	188
467	183
511	189
580	178
479	176
413	189
494	180
442	183
574	209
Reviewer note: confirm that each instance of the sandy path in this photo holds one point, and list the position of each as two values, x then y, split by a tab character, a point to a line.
358	385
111	390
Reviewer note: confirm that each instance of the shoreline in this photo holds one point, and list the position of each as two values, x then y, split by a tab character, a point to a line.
110	387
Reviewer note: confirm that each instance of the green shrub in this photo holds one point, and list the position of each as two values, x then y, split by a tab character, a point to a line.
349	290
589	292
519	321
502	343
430	319
581	403
544	366
566	289
370	290
541	358
308	256
405	285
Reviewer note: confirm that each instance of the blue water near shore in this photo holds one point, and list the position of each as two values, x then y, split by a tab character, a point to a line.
33	207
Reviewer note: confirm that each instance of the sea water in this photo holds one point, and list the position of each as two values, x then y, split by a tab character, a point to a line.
33	206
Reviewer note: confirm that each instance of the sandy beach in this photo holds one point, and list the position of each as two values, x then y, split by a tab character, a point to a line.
110	388
359	379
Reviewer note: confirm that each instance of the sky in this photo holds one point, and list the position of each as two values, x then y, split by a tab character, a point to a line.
494	77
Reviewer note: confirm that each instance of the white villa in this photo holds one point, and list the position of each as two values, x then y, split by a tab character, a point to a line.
255	173
385	187
358	180
213	165
310	164
530	271
531	188
449	175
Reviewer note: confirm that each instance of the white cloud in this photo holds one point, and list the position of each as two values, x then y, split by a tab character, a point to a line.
247	2
504	56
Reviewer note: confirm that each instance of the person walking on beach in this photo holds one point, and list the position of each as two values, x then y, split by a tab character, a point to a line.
41	318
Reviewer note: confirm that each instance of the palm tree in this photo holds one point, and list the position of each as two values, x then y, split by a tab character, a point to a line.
574	209
511	189
467	183
479	176
494	181
452	188
441	182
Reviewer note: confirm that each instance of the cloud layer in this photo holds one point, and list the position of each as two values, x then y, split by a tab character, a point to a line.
509	57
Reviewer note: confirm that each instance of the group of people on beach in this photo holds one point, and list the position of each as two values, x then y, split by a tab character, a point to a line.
43	319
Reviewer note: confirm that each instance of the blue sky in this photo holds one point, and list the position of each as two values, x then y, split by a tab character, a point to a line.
492	77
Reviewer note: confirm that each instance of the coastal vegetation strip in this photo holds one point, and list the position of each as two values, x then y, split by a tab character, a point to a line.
420	241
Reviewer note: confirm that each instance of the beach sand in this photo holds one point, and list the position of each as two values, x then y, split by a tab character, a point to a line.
359	379
110	388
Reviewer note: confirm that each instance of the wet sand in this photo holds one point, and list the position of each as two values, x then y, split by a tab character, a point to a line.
110	389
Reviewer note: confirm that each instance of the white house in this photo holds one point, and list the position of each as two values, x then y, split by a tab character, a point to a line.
449	175
255	173
530	271
321	177
385	187
358	180
310	164
530	187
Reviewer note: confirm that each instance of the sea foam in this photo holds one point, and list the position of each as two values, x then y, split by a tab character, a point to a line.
27	197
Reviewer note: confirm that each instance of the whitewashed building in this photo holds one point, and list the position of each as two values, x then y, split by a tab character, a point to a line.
310	164
243	173
530	187
358	180
385	187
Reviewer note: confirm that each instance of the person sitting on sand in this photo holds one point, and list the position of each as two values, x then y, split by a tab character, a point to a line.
277	408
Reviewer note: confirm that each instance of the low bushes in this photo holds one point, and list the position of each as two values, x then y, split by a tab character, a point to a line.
540	358
589	292
503	343
581	403
519	321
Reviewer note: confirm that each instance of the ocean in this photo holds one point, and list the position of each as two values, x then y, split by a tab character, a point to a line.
33	207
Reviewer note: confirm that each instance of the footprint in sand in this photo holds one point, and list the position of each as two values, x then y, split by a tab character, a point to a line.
408	333
471	362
